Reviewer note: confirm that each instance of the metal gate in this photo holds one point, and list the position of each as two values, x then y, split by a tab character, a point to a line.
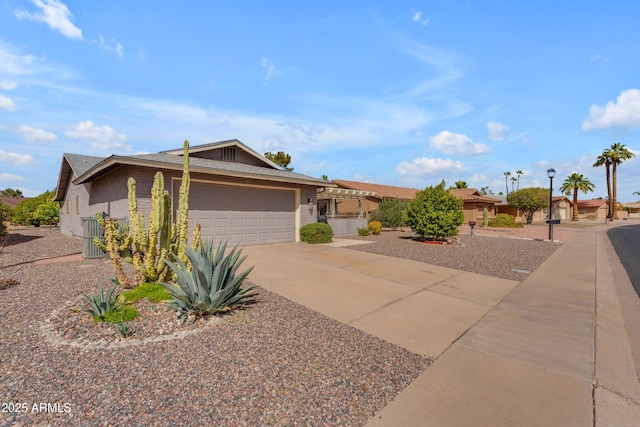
91	229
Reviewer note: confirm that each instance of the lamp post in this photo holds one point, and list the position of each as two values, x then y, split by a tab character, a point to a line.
551	173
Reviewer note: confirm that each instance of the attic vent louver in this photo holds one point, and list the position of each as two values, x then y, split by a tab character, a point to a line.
229	154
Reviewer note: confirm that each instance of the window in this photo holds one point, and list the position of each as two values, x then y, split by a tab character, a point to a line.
77	204
229	154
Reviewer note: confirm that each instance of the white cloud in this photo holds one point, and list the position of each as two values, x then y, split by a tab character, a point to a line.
15	158
417	17
624	113
6	103
497	131
424	166
270	68
36	135
100	137
456	144
55	14
7	177
7	84
112	46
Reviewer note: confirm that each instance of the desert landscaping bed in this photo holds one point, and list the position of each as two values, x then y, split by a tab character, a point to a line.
274	363
503	253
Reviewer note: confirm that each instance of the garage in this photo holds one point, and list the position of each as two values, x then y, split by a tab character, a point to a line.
240	214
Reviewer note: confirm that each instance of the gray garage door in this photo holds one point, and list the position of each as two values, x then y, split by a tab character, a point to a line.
243	215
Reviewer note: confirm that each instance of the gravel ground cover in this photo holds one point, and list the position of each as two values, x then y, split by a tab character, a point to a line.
507	258
274	363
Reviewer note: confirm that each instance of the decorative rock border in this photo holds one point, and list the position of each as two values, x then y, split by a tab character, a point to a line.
52	337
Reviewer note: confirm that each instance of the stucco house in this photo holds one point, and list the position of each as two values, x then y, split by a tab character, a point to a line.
474	204
235	193
369	198
562	209
592	209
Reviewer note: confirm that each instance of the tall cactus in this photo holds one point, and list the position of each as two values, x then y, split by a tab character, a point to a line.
148	250
182	222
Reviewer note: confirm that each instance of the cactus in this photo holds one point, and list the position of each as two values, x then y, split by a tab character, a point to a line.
182	222
148	250
116	243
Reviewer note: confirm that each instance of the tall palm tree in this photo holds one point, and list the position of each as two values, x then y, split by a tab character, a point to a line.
604	159
519	172
506	180
575	182
618	154
513	181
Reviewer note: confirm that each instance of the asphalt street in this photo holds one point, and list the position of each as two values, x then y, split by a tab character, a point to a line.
626	241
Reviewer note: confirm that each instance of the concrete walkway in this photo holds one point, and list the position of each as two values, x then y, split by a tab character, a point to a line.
555	350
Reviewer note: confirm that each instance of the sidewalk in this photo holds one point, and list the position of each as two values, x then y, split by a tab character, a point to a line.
554	350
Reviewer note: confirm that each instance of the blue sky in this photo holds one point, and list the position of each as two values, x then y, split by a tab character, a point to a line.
402	93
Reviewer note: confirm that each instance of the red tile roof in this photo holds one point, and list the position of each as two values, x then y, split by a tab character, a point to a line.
595	203
472	195
382	191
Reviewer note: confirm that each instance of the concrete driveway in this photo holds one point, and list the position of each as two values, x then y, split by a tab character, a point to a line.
421	307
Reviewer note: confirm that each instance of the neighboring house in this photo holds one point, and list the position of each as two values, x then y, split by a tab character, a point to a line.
475	203
235	193
633	209
562	209
592	209
370	198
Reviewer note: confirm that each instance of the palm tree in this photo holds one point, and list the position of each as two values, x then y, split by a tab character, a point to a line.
513	181
506	180
604	159
575	182
519	172
618	153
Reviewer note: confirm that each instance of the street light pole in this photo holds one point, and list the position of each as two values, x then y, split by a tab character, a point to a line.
551	173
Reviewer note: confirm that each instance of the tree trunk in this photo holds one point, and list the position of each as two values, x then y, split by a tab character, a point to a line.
575	204
614	193
610	212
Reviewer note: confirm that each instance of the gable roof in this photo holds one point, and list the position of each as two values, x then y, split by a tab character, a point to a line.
595	203
473	195
382	191
12	201
221	144
88	168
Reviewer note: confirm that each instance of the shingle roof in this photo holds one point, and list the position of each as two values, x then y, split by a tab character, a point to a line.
382	191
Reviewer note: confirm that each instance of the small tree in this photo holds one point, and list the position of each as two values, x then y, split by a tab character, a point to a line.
10	192
435	212
391	213
29	212
280	158
528	200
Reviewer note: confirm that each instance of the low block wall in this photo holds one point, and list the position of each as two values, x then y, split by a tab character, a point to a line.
346	226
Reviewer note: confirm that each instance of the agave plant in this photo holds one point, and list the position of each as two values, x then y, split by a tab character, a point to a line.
211	286
103	304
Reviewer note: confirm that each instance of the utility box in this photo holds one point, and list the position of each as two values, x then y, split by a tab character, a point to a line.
91	229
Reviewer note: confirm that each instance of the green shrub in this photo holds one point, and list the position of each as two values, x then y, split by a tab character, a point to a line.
124	313
317	232
364	231
435	212
375	227
154	292
504	221
391	213
211	285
